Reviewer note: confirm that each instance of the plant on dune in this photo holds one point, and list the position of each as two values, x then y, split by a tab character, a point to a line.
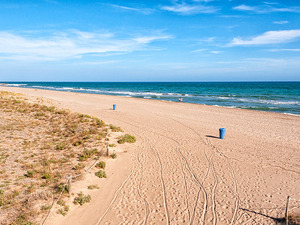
115	128
114	155
47	144
81	199
101	174
87	154
126	138
92	187
63	211
101	165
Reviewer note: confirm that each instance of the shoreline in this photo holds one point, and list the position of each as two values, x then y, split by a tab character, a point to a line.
255	167
156	99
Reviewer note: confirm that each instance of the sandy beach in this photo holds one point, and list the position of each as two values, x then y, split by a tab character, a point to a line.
179	171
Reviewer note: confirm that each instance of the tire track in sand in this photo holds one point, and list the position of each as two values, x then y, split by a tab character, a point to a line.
210	165
139	188
162	182
153	149
237	199
188	168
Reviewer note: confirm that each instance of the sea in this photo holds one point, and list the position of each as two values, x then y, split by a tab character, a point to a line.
279	97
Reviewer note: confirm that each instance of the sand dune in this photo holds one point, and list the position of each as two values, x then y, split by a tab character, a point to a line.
179	172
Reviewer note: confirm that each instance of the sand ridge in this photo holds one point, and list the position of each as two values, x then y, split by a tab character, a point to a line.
179	172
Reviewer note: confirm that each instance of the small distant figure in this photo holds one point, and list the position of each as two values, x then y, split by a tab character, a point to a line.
180	99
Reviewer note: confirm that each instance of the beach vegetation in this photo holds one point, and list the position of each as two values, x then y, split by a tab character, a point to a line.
79	166
82	199
101	165
47	176
30	173
41	147
92	187
45	207
61	202
113	156
115	128
63	211
60	146
101	174
23	219
126	138
87	153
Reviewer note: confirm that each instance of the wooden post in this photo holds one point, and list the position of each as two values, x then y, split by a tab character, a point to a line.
69	184
107	150
286	210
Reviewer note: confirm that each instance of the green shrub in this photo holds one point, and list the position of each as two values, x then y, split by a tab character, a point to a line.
126	138
22	220
114	155
101	174
81	199
100	123
115	128
61	202
47	176
77	142
45	207
87	154
101	165
60	146
100	136
79	166
91	187
62	187
29	173
63	211
2	200
112	145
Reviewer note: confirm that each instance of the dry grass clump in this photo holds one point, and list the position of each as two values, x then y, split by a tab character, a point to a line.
101	165
92	187
126	138
115	128
82	199
40	145
101	174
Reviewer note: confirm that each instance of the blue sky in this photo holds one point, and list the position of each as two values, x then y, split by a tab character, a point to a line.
136	40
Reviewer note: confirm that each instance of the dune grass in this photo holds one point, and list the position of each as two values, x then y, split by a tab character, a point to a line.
41	144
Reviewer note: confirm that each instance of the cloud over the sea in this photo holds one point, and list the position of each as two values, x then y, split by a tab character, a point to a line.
269	37
69	44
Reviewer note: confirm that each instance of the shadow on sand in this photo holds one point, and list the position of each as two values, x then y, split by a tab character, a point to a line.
210	136
279	221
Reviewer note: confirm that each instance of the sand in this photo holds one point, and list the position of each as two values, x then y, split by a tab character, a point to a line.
179	172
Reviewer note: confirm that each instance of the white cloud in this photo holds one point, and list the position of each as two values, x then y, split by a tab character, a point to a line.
245	8
204	50
140	10
285	50
189	9
281	22
216	52
199	50
270	37
68	45
266	8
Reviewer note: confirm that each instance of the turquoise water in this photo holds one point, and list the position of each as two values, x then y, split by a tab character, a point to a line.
282	97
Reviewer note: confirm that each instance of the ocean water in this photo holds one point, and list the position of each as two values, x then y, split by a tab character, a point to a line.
281	97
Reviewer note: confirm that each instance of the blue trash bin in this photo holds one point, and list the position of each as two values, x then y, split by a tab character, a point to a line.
222	133
114	106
